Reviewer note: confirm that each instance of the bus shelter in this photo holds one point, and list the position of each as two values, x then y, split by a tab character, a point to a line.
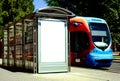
39	41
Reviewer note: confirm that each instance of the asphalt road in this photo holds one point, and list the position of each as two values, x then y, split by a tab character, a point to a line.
114	68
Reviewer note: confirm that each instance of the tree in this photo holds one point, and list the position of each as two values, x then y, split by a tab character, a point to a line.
1	13
13	10
1	19
106	9
113	18
82	7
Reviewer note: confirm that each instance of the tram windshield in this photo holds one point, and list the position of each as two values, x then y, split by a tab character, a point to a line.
100	34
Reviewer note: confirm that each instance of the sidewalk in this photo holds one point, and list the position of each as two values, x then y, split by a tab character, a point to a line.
116	59
116	53
76	74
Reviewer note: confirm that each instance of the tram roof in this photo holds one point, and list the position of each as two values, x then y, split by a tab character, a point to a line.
91	19
95	19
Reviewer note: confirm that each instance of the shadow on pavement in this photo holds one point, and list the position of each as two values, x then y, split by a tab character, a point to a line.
16	69
89	67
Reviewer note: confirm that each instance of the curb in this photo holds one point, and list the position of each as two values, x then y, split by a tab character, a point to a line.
117	60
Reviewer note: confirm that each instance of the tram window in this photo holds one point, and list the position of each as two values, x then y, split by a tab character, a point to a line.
79	41
98	26
99	32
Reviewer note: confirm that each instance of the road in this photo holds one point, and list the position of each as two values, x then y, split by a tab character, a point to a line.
115	68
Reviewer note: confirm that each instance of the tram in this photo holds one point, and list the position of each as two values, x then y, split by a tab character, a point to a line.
90	42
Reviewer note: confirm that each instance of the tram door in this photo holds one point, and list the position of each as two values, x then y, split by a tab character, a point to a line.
52	45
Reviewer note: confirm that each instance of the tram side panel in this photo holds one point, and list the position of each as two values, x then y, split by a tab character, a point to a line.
80	41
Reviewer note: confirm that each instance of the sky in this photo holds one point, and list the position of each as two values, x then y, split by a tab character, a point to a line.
39	4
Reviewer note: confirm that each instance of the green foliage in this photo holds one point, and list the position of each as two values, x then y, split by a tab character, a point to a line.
52	2
1	12
116	56
13	10
112	16
106	9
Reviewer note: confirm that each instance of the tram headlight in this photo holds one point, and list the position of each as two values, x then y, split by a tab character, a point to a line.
75	24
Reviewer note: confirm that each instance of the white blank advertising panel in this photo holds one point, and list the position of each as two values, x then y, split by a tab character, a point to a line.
52	41
52	44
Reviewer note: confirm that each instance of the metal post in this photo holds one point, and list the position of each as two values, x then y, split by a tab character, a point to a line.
23	45
35	46
14	45
3	58
8	49
69	61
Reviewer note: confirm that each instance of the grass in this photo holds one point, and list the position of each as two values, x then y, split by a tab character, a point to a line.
116	56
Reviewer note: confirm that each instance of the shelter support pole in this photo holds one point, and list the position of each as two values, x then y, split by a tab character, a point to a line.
14	54
23	45
8	49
